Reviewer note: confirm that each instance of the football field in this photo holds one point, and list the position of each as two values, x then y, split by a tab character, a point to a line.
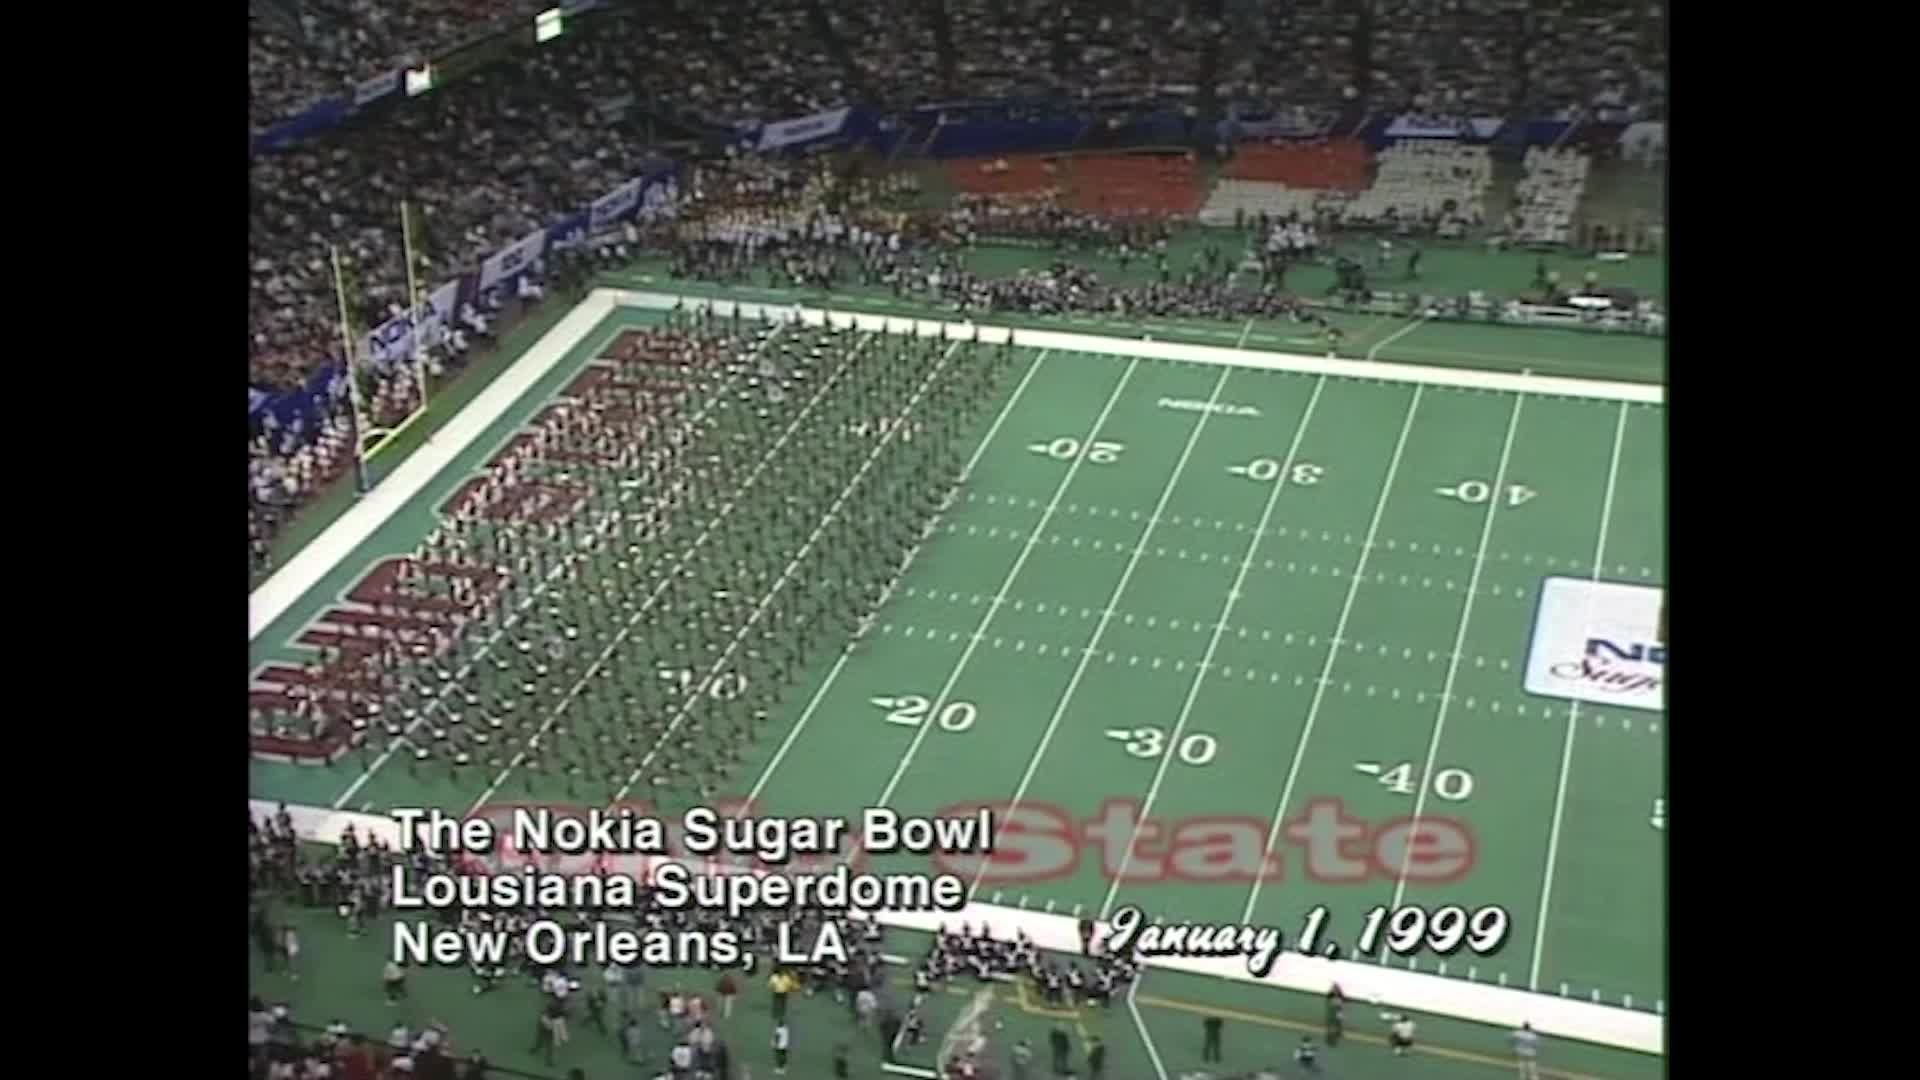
1236	644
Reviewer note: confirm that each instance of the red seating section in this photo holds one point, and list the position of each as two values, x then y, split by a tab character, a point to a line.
1011	175
1330	163
1113	184
1121	184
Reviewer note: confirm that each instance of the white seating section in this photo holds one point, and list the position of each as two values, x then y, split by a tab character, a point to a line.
1548	196
1417	178
1252	197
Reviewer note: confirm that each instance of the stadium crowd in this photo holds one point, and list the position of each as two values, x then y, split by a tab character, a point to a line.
301	51
746	61
518	145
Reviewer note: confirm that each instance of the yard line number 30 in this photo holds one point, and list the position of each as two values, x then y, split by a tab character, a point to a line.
1151	742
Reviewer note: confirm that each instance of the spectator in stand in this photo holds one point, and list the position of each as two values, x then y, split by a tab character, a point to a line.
303	51
518	145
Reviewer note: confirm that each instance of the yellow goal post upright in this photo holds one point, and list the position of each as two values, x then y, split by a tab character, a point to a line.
370	436
357	417
416	296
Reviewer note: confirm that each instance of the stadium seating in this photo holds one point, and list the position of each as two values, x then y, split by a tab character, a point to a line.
1548	196
1122	184
1341	164
1012	174
1233	200
1306	178
1424	180
299	51
499	152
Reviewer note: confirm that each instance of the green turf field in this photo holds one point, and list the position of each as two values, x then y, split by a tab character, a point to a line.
1276	634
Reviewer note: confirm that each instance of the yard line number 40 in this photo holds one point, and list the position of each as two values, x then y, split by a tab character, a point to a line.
1451	784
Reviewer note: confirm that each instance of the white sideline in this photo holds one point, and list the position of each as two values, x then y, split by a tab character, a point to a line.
1438	995
302	572
1463	378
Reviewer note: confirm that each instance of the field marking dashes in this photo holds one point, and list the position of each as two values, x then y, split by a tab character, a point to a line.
1006	585
1213	643
1434	549
698	692
1409	580
626	629
1453	667
1107	612
1573	716
1333	647
540	587
839	664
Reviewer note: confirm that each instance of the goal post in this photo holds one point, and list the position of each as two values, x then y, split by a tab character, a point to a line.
357	417
410	239
370	432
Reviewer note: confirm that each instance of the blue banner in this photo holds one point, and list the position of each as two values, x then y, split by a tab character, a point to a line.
301	408
368	91
1416	126
804	131
610	208
316	118
569	233
971	139
392	341
512	261
1484	128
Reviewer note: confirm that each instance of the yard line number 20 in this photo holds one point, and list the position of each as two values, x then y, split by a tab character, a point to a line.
910	710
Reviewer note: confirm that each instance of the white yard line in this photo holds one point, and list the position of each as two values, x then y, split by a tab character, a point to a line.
1573	712
1425	776
840	664
667	580
1000	597
1248	329
1333	647
1140	1025
540	587
1213	643
993	429
1107	611
1395	336
700	688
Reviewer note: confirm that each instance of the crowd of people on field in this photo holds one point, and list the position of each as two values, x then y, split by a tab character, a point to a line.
679	1024
665	1020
